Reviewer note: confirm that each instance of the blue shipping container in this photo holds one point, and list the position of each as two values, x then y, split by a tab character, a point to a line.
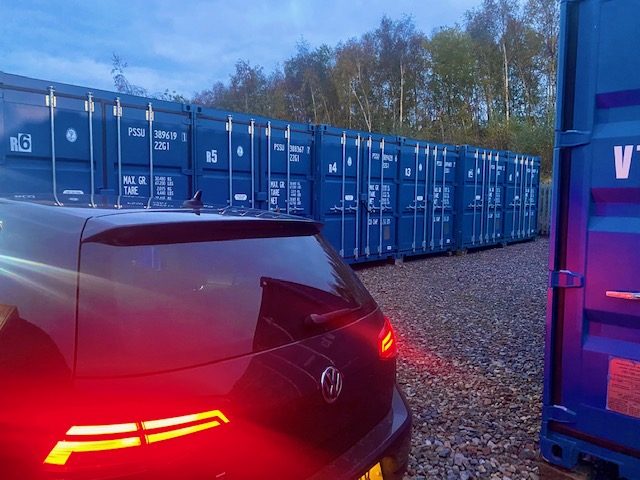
286	170
427	196
481	197
379	184
147	154
592	374
379	196
226	157
50	137
73	143
339	169
522	187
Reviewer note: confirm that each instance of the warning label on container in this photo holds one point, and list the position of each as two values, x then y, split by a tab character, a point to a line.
623	390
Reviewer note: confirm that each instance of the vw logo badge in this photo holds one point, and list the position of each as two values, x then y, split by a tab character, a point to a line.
331	384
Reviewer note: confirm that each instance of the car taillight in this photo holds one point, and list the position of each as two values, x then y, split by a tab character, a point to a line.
387	347
100	438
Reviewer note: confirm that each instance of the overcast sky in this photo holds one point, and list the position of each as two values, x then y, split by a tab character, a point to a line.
186	45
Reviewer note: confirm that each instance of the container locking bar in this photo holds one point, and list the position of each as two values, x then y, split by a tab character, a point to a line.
267	132
515	197
434	202
426	197
623	295
89	106
117	112
229	128
495	197
343	205
381	193
149	114
415	198
51	103
483	195
356	250
565	279
253	175
442	195
369	200
475	196
287	134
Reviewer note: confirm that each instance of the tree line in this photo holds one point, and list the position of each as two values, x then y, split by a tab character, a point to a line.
489	80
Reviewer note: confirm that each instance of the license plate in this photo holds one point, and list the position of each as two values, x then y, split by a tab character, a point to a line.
375	473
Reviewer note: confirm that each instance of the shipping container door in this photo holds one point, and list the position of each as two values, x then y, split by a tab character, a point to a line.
413	207
286	167
495	195
513	204
148	150
338	158
52	141
592	394
225	158
444	160
481	190
380	177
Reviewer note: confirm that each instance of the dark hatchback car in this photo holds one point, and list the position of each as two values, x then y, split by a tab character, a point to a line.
186	343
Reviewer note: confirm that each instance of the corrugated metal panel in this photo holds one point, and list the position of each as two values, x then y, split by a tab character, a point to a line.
338	155
591	404
544	208
415	203
50	136
147	153
286	171
226	157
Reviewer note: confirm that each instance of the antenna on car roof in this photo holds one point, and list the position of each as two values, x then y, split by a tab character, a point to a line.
195	202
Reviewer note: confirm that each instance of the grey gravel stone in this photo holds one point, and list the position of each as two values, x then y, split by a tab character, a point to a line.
471	335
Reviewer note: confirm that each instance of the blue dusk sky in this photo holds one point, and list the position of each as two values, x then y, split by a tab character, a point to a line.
189	44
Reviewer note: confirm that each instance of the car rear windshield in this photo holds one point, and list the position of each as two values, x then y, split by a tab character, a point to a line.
151	308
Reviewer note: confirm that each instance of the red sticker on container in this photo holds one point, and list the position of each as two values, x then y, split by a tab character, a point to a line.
623	390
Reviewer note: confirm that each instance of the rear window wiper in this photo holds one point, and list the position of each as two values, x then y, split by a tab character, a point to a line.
320	319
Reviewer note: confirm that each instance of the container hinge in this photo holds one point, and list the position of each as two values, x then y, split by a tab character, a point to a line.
565	279
559	413
89	104
572	138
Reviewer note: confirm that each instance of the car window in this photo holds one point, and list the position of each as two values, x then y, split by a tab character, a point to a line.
148	308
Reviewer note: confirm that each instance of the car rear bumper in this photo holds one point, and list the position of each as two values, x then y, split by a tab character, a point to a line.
388	442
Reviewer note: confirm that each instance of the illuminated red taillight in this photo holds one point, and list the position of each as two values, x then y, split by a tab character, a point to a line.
387	346
99	438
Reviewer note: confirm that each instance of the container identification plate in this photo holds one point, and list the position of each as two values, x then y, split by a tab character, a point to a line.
623	390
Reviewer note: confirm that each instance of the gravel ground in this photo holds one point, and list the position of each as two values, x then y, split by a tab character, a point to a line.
471	335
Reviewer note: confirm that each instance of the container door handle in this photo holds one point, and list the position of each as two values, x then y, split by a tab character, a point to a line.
623	295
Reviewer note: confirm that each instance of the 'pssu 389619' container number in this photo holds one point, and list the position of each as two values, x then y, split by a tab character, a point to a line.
164	136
